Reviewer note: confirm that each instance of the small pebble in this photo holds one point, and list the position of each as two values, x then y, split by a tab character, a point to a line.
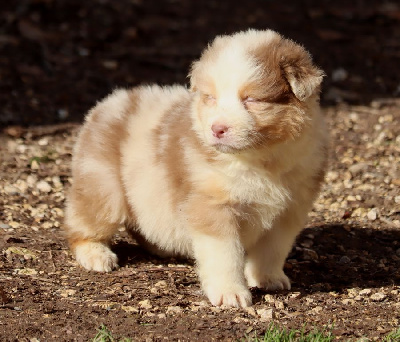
57	182
295	295
62	114
378	297
14	224
161	283
58	212
372	214
43	186
35	165
11	190
25	271
173	310
67	293
317	309
339	74
145	304
265	314
355	169
21	149
21	185
365	292
307	243
43	142
31	180
344	260
216	309
110	64
251	311
352	293
310	254
269	298
128	308
348	301
47	225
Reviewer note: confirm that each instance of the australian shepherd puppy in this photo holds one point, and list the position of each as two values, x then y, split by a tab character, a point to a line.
224	172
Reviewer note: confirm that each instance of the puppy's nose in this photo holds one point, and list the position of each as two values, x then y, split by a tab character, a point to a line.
219	130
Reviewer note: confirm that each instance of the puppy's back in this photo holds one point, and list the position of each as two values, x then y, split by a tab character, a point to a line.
124	117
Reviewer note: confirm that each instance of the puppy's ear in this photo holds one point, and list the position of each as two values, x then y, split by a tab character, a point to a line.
303	76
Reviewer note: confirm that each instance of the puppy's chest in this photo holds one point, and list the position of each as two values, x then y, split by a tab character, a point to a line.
257	196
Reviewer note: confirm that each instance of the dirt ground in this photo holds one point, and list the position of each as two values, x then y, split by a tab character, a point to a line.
58	57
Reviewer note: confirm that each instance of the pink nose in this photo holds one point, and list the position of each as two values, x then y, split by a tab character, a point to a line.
219	130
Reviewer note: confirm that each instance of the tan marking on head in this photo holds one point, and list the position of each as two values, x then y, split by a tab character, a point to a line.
276	97
275	123
271	85
284	61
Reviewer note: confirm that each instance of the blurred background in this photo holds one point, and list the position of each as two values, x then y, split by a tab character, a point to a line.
58	57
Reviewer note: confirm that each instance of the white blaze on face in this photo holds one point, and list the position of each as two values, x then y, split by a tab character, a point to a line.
225	120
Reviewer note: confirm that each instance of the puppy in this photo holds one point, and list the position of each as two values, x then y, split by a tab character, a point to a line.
224	173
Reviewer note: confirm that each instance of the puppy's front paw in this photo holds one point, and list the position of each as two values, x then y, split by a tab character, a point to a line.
96	256
231	296
271	282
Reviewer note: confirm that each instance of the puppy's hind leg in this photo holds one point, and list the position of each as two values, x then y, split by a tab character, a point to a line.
96	204
265	260
89	234
95	255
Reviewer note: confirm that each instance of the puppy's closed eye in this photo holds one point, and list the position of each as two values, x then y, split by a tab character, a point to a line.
252	102
250	99
209	99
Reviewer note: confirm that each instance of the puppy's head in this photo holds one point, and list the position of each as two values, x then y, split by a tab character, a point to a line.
252	89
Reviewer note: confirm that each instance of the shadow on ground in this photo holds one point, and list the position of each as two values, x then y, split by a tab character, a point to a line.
325	258
343	257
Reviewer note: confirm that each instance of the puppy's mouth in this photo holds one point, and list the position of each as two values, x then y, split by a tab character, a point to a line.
226	140
231	146
224	148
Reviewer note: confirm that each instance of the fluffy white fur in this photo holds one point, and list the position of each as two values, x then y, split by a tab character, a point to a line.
225	172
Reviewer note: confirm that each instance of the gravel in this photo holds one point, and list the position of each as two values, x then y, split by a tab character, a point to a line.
345	267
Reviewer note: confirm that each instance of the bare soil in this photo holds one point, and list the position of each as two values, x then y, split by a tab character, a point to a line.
58	57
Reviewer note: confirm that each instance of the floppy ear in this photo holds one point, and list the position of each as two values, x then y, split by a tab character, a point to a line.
296	63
